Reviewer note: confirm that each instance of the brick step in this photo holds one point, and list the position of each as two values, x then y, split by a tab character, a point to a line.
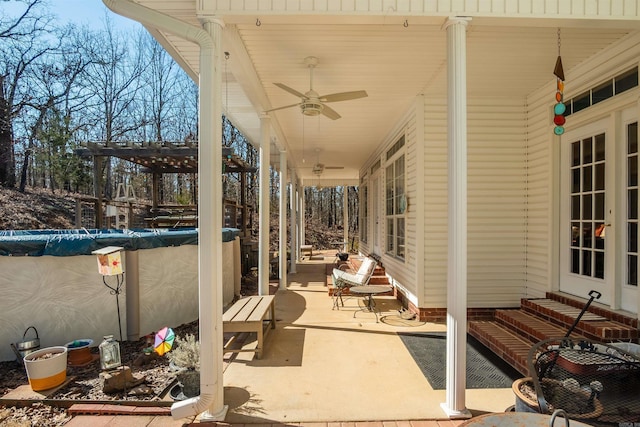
617	316
528	326
592	325
506	344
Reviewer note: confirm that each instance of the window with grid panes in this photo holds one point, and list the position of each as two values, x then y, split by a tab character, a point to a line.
395	200
632	204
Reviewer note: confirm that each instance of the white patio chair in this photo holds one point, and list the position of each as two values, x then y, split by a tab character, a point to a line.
343	279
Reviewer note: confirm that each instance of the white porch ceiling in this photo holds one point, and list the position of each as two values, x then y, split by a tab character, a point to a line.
393	63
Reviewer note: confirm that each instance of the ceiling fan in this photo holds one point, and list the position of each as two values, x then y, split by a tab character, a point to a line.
318	167
313	104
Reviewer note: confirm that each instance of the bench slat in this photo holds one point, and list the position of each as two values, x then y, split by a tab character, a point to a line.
263	306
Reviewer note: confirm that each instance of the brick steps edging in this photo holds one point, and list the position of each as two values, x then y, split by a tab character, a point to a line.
606	330
505	344
601	311
529	326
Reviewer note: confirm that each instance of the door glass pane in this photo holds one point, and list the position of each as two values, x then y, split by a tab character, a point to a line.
586	178
599	265
599	178
575	261
586	235
575	234
598	206
586	263
632	270
586	151
588	206
632	138
632	204
632	174
575	207
575	154
632	230
599	148
575	180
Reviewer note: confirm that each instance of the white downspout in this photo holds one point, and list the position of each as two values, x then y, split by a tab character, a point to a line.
211	398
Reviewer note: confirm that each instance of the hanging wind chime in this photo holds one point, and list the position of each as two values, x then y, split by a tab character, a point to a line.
559	108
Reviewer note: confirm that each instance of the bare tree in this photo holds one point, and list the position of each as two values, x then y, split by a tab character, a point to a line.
114	77
22	42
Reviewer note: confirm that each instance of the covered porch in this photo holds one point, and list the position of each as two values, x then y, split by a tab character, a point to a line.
324	365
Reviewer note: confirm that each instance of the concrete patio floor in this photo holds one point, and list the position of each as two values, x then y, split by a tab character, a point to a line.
325	368
324	365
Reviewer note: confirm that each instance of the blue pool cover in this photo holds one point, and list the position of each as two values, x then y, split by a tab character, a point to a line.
83	242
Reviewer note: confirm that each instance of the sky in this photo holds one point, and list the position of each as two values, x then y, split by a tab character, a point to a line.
90	12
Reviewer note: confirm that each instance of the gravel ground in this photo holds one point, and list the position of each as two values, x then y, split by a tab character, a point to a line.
87	384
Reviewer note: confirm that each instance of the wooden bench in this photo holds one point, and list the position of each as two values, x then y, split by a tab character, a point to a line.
306	249
249	315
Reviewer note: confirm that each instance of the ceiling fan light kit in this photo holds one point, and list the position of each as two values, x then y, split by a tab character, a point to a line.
310	108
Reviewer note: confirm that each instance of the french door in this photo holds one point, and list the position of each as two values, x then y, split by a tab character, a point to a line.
585	240
599	229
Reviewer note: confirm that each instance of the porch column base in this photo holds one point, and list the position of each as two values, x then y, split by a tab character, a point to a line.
220	416
453	414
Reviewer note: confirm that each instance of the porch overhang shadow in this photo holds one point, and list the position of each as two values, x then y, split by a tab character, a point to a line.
161	158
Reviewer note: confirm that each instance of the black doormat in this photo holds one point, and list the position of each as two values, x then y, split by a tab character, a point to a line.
484	368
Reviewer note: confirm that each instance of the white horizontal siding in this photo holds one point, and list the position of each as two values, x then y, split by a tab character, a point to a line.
496	202
435	203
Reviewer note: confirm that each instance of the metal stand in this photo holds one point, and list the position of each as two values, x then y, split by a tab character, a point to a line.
115	290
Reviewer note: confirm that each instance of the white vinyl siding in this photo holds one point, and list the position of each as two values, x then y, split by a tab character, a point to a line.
496	203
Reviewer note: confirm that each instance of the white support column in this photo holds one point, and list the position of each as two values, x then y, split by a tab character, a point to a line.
293	198
299	218
345	217
210	228
283	220
456	370
263	232
303	237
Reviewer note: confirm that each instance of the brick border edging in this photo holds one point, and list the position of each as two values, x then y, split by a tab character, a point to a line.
106	409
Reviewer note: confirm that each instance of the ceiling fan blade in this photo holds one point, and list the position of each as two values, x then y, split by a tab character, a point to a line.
344	96
282	108
330	112
291	91
334	167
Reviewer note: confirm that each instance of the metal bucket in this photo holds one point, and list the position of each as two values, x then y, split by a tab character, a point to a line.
26	346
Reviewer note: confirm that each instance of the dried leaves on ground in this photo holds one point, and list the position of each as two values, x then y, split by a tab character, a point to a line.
86	383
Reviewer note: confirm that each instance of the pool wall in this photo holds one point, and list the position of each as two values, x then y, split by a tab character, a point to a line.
65	299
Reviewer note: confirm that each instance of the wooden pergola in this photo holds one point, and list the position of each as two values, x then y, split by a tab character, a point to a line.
160	158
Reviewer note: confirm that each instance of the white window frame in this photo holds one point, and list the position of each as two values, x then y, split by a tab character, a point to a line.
395	202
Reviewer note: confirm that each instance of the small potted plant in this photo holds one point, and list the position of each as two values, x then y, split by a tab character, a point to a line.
185	356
